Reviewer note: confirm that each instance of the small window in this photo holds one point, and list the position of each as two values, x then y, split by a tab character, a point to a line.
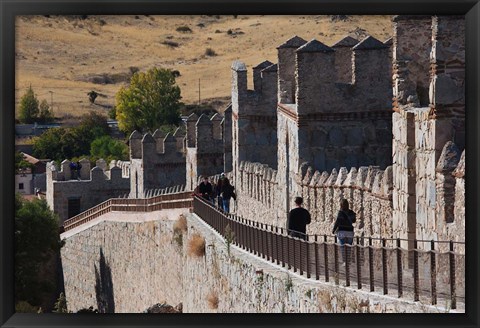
20	186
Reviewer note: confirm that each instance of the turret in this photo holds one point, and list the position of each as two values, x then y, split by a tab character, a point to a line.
286	69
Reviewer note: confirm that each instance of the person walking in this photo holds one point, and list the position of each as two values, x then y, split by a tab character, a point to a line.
228	192
343	227
297	220
218	190
205	189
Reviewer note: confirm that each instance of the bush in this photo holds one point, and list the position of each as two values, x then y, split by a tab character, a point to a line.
184	29
212	299
196	245
171	44
210	52
180	225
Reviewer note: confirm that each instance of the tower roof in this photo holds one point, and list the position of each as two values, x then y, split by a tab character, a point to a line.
370	43
263	65
347	41
294	42
314	46
238	66
271	68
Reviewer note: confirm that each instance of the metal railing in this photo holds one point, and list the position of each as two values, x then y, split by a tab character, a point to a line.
425	276
157	203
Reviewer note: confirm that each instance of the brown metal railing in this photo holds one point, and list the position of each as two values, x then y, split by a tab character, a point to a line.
383	267
157	203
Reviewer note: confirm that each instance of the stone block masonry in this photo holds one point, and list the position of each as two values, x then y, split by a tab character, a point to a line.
126	262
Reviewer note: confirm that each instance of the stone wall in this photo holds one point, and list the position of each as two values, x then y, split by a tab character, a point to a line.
368	190
156	161
123	262
126	262
204	155
95	186
254	116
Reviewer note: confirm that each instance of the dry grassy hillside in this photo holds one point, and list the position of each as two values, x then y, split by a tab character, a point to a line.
65	57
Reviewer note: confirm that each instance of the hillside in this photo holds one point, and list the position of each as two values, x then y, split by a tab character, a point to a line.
65	57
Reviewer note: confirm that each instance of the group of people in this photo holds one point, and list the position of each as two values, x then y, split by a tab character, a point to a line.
221	192
299	217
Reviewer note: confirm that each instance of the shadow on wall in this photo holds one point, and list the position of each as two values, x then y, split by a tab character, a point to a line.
104	286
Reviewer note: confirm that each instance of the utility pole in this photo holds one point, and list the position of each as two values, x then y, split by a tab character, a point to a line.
199	92
51	101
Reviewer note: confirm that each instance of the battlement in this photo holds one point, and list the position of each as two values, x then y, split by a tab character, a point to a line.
157	161
69	194
98	173
318	78
205	147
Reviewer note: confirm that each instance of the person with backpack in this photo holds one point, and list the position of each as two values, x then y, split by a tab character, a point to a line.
227	193
343	227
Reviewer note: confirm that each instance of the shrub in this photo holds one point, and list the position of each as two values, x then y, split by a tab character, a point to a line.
212	299
172	44
210	52
196	245
180	225
184	29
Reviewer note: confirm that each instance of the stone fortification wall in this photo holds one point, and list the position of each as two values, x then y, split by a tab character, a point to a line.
254	115
93	187
127	262
368	190
429	105
124	262
205	147
156	161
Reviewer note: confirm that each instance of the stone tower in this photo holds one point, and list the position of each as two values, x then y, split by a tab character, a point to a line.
335	118
429	111
254	118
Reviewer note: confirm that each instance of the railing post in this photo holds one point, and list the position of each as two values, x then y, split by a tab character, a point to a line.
370	264
347	250
415	271
359	269
325	253
277	248
453	297
317	262
399	269
384	266
433	272
335	255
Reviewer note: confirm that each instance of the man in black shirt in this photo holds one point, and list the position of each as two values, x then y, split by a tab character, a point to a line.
297	221
205	188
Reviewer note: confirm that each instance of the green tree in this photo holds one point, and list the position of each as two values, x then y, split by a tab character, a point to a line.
46	114
21	163
152	99
50	144
37	242
61	143
28	111
108	148
60	305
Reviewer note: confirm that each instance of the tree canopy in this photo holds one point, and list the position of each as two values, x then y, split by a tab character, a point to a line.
36	242
61	143
28	111
108	148
151	100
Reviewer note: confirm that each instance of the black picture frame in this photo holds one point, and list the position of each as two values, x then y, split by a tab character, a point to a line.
10	8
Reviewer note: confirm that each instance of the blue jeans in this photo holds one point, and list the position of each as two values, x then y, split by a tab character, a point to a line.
342	242
226	205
